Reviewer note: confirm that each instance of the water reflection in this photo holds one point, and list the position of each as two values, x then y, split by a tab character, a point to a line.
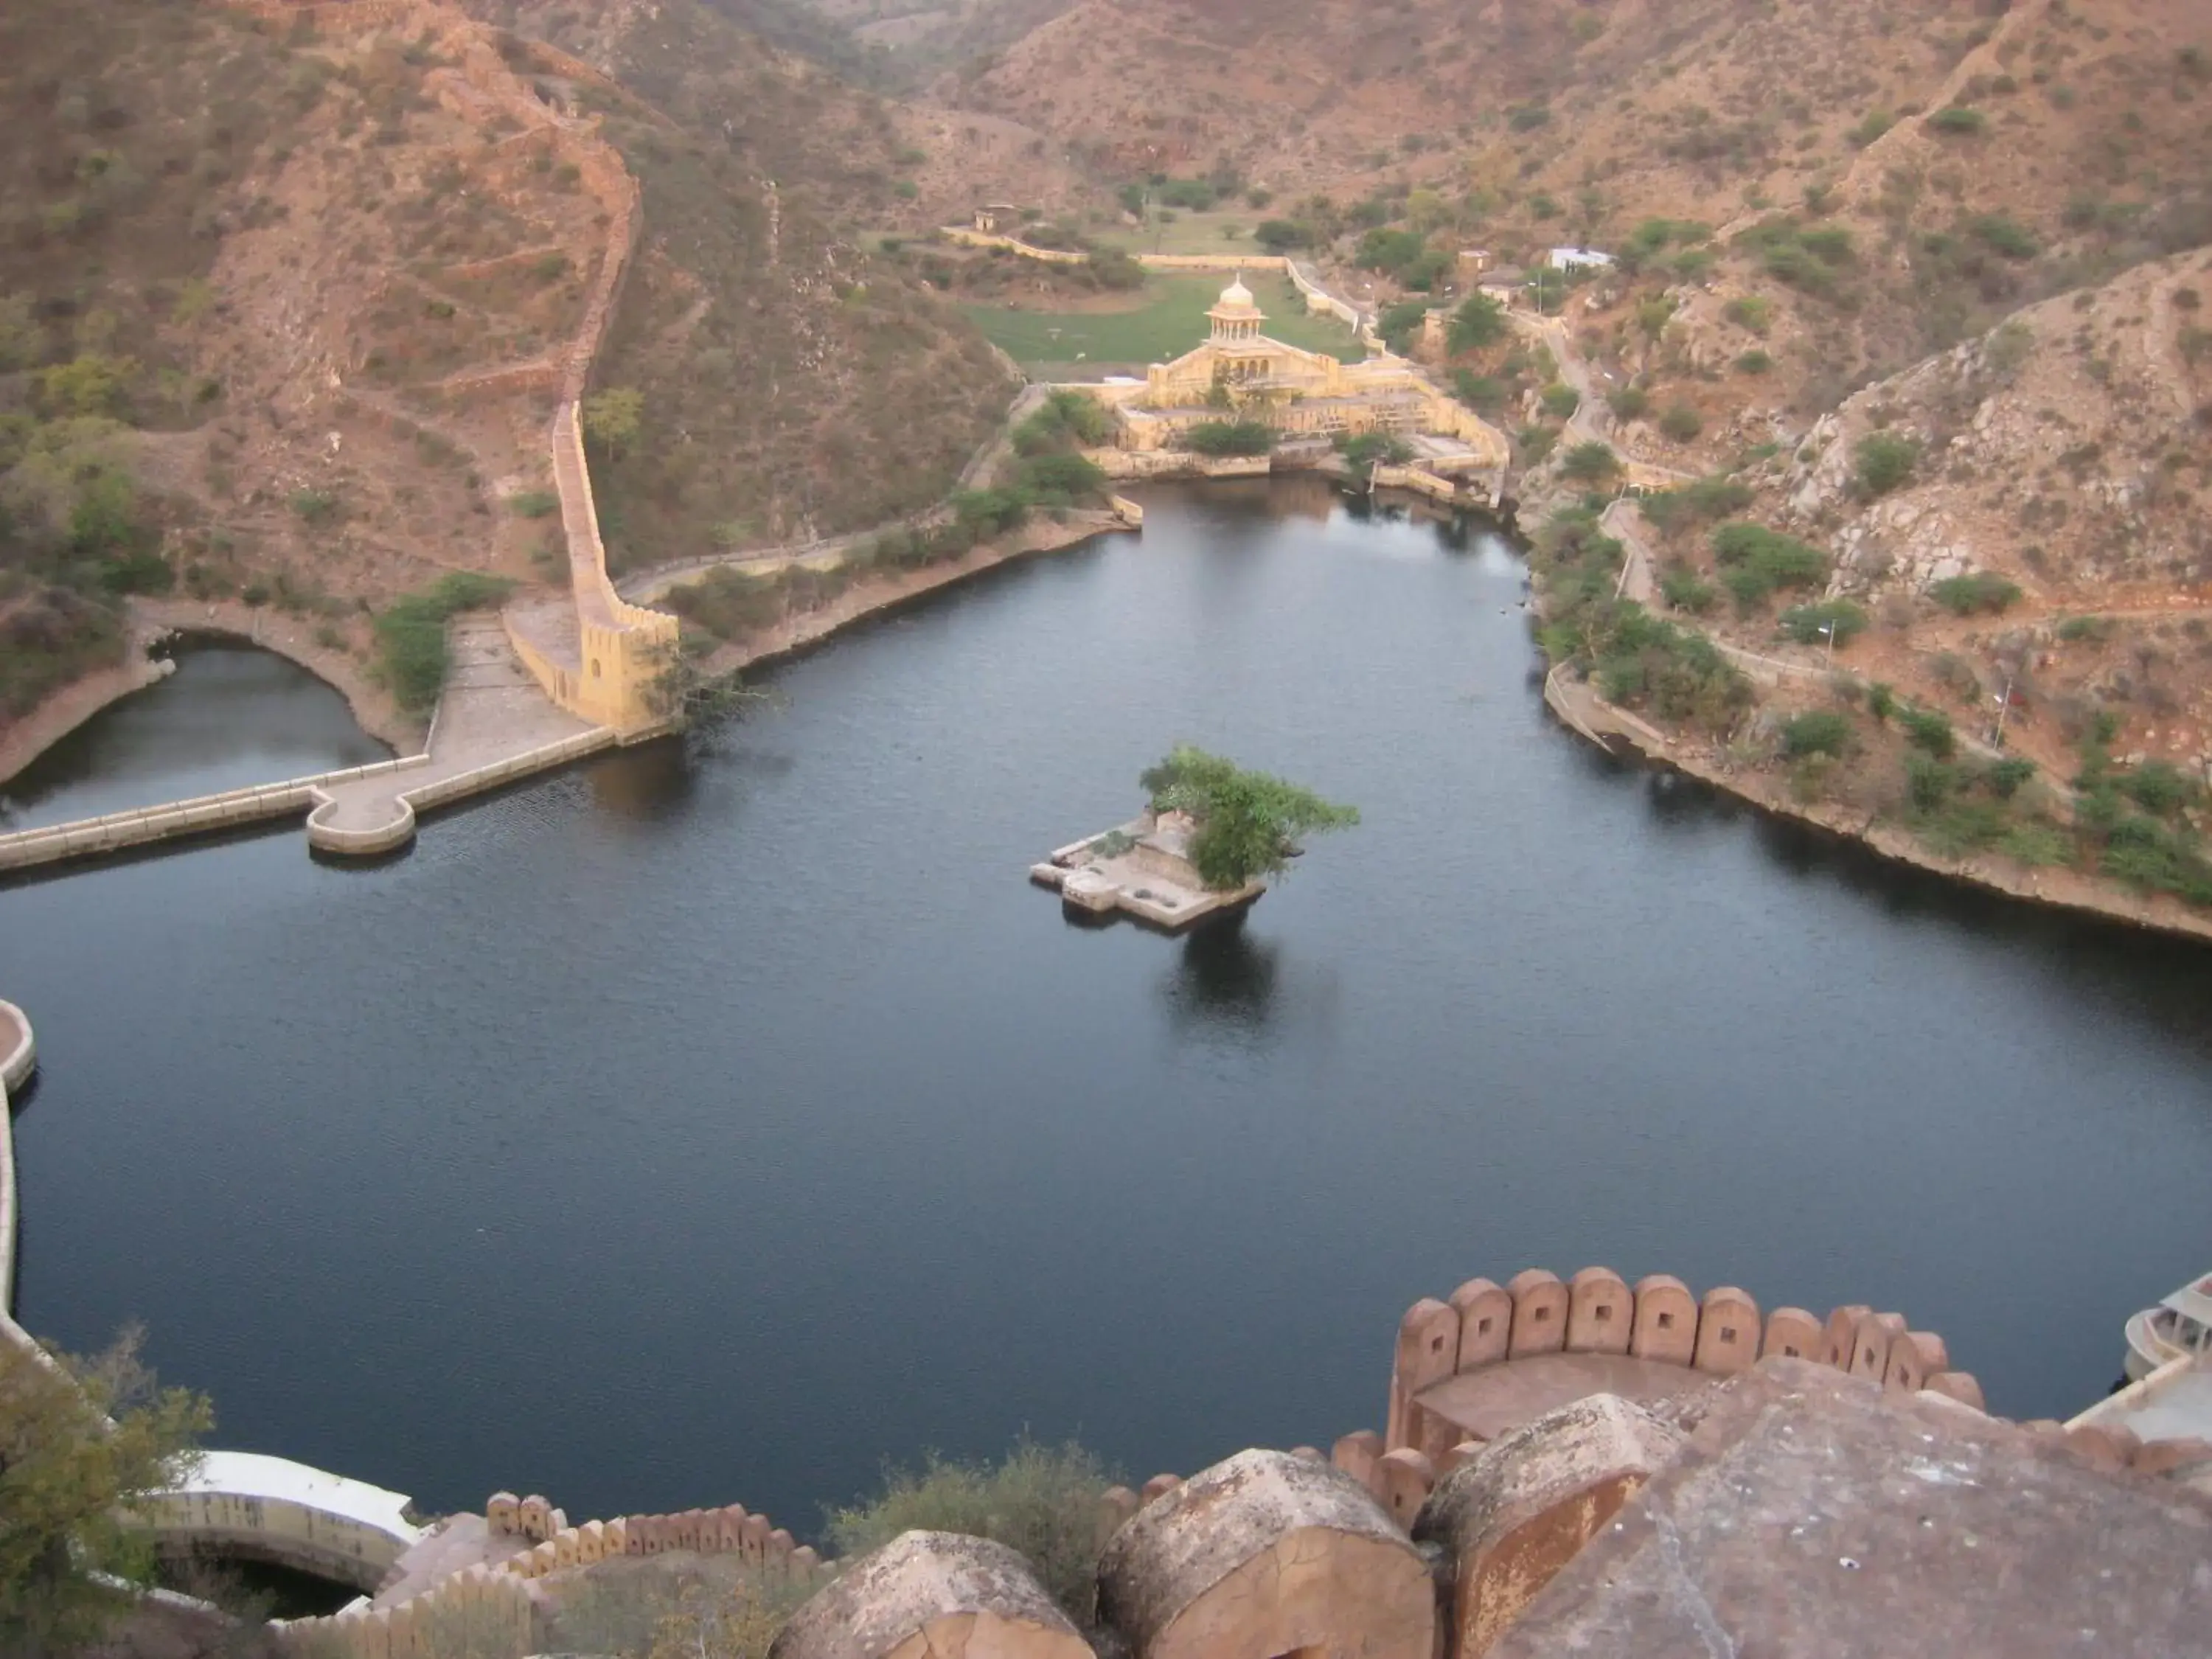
231	715
1223	977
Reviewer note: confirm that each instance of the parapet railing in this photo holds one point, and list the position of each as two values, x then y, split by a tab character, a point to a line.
135	826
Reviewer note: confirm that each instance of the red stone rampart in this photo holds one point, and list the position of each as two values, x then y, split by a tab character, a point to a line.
1536	1314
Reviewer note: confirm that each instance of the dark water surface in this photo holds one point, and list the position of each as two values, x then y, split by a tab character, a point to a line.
683	1131
231	716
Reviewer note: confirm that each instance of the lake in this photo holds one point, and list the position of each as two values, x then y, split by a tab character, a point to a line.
714	1122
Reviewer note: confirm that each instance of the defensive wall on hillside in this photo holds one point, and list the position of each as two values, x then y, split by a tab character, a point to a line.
606	664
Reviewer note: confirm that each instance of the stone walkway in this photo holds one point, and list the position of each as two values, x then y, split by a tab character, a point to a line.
492	711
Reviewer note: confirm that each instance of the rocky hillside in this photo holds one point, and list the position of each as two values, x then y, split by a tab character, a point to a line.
2062	463
282	311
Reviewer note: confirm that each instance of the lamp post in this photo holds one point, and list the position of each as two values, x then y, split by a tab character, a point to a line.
2004	707
1828	628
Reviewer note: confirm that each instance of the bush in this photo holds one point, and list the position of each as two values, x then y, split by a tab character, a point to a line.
1686	590
1959	122
1881	700
1682	422
1754	362
316	506
1883	462
1926	729
1629	402
1749	312
1979	590
1701	502
1755	560
1590	464
2004	236
534	503
2158	787
1229	438
1824	731
1535	443
1397	323
1282	235
1812	624
1056	480
1040	1501
1561	400
411	633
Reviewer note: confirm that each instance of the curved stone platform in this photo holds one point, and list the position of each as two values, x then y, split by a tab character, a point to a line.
19	1049
494	725
272	1509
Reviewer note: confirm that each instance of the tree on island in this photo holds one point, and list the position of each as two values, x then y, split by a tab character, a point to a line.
1248	823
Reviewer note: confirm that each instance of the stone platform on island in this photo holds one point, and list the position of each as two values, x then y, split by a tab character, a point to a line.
1142	867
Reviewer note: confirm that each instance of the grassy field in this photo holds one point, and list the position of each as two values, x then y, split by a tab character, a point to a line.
1168	321
1227	231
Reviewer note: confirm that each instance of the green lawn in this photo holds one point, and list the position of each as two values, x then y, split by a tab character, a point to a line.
1191	233
1171	322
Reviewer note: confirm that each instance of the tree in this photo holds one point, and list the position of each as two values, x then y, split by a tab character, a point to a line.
613	418
1281	235
1590	463
1248	823
1479	322
80	1440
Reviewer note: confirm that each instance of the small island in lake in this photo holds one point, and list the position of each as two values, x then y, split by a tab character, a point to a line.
1209	836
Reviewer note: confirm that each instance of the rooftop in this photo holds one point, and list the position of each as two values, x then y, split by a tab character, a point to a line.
254	1474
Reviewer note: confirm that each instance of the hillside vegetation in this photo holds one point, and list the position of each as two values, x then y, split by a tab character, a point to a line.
283	312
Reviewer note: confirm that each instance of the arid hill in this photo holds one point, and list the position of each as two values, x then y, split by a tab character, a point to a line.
283	310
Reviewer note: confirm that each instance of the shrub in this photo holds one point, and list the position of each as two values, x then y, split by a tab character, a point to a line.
2004	236
1700	502
2076	628
1959	122
1823	731
1748	311
1926	729
1682	422
1053	480
1282	235
1870	127
1979	590
1630	402
1754	362
1561	400
1590	463
1397	323
1684	589
2158	787
1883	462
1812	624
534	503
1881	700
2008	777
1229	438
1040	1501
1535	442
1756	561
411	633
316	506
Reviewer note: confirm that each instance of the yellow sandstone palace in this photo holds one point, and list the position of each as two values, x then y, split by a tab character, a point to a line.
1241	373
